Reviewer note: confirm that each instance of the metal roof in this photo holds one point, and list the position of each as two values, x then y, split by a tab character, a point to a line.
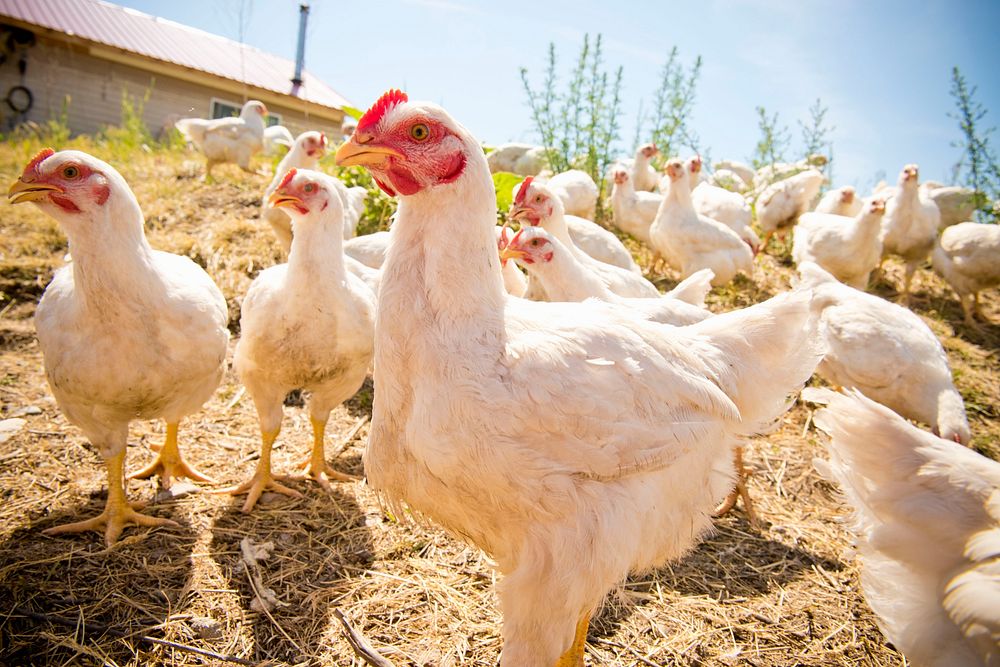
139	33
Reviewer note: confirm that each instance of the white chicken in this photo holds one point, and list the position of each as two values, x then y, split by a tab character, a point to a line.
743	171
927	529
840	201
644	176
633	211
781	203
369	249
536	205
888	353
227	139
126	331
692	241
910	225
514	280
572	442
729	180
577	191
967	256
564	278
955	204
308	149
275	136
308	324
848	248
521	159
719	204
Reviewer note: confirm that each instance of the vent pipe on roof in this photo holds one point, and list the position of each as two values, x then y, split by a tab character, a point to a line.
300	54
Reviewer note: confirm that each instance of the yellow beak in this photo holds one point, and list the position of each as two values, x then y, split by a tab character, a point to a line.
279	200
351	153
510	253
22	192
518	212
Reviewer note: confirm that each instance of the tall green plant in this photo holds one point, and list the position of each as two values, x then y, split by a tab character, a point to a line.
977	168
580	126
773	142
673	105
816	133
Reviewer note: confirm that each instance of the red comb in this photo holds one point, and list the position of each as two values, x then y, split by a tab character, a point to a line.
322	138
287	179
517	236
522	192
37	160
388	100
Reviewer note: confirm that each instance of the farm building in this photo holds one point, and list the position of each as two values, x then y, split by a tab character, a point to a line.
93	52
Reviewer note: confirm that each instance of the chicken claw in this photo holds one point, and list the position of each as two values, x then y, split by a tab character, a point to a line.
316	466
262	480
170	464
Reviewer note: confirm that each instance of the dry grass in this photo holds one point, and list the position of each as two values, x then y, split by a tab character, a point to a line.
785	594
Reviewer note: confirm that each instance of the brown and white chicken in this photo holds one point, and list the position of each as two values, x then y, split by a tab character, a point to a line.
224	140
307	324
967	256
840	201
126	331
692	241
927	529
565	278
847	247
571	441
910	225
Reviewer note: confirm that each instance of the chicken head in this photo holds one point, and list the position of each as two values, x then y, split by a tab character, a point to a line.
67	182
533	203
529	245
304	192
407	150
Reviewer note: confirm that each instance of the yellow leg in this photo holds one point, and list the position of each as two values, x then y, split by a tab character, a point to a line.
262	479
117	512
170	464
739	490
573	657
316	466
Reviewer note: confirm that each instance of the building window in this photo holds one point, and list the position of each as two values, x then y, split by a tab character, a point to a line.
226	109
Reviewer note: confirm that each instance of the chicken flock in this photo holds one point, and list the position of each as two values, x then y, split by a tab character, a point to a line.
583	438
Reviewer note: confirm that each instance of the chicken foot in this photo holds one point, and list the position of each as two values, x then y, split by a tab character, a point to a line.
739	491
117	511
170	464
263	479
573	657
316	466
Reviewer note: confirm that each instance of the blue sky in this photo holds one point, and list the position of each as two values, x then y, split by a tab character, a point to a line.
882	68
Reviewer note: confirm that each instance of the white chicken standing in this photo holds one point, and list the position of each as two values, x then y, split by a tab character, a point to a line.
781	204
633	211
840	201
848	248
955	204
692	241
887	352
535	204
570	441
565	278
719	204
967	256
228	139
927	530
910	225
126	331
308	149
307	324
644	176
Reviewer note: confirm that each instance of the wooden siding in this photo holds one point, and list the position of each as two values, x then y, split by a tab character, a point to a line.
95	86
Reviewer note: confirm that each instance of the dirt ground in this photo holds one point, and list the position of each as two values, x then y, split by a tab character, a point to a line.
785	593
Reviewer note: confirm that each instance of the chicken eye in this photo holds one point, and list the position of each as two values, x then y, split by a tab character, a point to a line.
420	132
309	187
539	199
534	243
70	171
